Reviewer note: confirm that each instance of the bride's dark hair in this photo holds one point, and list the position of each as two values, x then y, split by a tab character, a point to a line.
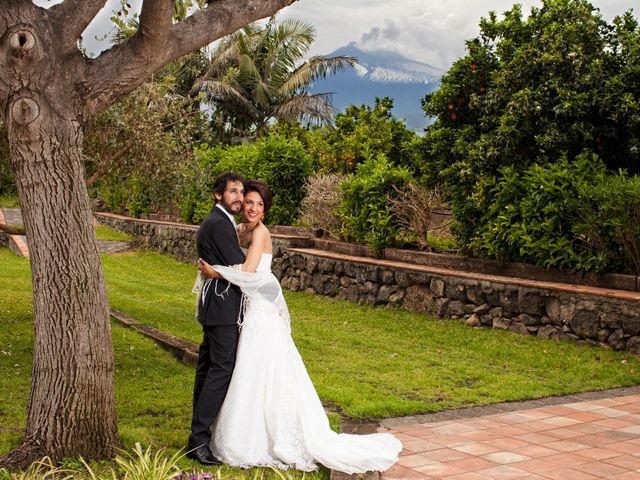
263	191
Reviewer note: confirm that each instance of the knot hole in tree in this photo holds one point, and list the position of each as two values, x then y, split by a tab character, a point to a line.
24	111
22	40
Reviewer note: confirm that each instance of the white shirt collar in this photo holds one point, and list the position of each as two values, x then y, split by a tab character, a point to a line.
227	213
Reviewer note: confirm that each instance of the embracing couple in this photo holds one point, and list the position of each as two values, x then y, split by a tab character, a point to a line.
254	403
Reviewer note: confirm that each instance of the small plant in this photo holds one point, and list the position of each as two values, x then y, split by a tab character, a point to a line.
319	206
145	465
365	209
40	470
413	207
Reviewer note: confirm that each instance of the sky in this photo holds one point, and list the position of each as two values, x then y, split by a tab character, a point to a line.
428	31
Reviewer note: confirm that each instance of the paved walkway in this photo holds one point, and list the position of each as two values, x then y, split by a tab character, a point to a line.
579	440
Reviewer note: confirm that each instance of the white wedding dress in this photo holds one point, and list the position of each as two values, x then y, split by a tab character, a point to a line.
272	415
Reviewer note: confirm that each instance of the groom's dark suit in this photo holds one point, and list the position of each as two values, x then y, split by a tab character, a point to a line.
217	244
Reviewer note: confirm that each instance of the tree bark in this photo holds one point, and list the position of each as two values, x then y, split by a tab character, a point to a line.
48	90
71	405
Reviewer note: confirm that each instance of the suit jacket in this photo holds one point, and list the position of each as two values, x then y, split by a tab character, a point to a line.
217	244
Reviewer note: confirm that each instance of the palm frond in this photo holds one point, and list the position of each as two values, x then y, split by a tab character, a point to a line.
314	108
218	92
315	68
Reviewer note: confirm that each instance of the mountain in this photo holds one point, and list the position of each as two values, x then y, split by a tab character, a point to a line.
383	74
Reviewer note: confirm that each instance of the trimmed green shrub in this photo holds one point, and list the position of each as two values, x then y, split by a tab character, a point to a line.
281	163
565	215
365	209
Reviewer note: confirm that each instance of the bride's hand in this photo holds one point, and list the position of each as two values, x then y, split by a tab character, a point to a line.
206	269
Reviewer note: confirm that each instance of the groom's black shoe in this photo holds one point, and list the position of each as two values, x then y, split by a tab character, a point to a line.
204	456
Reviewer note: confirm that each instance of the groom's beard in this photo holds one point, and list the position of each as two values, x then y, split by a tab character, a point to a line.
233	208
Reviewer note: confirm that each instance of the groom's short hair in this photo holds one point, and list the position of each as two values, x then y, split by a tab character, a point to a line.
220	184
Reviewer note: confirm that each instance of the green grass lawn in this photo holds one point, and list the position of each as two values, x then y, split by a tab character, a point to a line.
369	362
153	390
104	232
381	362
9	201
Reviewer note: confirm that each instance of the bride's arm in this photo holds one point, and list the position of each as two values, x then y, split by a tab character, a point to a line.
259	239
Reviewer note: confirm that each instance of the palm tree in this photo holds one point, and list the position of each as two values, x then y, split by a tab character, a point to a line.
256	75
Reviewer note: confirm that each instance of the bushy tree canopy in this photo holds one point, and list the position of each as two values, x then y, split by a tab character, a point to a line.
557	84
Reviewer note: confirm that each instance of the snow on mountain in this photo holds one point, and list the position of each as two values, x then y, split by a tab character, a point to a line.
383	74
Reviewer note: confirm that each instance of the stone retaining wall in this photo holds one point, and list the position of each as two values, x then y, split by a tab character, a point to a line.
609	321
600	316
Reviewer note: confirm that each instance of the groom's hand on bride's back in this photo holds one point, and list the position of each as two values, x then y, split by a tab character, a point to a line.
206	269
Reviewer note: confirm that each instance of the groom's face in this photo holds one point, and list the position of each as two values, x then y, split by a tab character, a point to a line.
232	197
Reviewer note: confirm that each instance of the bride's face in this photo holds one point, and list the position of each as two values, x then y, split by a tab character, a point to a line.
253	207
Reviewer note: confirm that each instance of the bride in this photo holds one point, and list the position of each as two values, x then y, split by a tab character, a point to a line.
272	415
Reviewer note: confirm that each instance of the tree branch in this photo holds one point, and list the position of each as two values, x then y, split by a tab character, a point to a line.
220	18
75	15
124	67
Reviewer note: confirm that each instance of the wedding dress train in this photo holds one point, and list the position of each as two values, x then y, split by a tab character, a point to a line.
272	415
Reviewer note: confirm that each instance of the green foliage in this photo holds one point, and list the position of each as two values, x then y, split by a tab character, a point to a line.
565	215
281	163
135	148
364	132
531	91
365	209
257	75
145	465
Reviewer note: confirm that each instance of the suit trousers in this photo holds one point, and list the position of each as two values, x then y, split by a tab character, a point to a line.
216	360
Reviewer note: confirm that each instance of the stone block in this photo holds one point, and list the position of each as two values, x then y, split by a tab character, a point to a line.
633	345
549	331
501	323
396	298
469	308
519	327
387	277
419	298
527	319
385	293
552	308
456	292
402	279
456	307
419	278
441	306
474	320
475	294
482	309
492	297
370	287
630	325
531	302
325	265
438	287
509	300
585	324
603	334
617	340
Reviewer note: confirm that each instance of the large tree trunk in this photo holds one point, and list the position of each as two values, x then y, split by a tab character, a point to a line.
71	406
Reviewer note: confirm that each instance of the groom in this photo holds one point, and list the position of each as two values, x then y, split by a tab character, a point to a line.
217	243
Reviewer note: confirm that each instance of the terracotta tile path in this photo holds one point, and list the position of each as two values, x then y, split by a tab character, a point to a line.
578	440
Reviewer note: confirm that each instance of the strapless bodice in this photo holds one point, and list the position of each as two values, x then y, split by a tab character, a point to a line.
265	262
